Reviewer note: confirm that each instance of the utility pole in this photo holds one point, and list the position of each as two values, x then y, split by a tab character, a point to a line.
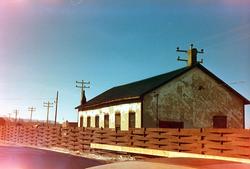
82	85
48	105
192	55
56	103
9	115
31	110
16	112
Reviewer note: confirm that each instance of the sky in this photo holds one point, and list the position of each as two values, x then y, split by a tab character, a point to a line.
46	45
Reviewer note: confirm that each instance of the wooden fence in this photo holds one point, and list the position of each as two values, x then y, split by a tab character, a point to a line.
222	142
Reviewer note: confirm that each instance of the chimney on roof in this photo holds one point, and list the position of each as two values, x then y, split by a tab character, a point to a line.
83	97
192	55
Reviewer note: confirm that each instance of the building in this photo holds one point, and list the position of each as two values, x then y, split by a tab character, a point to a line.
190	97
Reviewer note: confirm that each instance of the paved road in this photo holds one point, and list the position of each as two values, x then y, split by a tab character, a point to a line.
174	163
29	158
201	163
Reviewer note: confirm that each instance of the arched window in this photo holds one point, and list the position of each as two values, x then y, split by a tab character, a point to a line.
118	120
131	119
81	121
88	121
106	121
97	121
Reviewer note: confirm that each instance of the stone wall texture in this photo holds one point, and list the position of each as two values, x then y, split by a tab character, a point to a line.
193	98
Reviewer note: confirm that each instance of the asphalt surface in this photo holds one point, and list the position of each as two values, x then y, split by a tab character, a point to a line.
29	158
201	163
174	163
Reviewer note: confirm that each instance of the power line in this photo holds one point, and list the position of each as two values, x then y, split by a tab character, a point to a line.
25	98
82	85
48	105
227	33
237	82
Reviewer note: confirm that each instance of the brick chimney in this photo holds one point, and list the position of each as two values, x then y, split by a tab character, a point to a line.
192	56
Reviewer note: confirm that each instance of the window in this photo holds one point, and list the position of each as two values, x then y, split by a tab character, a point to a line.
131	120
171	124
106	121
81	121
220	122
97	121
118	121
88	121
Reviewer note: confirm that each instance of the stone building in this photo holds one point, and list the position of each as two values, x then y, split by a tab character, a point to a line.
190	97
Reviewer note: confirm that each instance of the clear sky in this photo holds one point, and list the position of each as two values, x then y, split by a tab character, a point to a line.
46	45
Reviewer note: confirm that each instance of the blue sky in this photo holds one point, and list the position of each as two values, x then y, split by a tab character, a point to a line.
46	45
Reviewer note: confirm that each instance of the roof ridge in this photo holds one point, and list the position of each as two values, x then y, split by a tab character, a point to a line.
136	88
186	67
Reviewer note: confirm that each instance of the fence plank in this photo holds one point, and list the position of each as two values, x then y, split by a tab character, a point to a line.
225	142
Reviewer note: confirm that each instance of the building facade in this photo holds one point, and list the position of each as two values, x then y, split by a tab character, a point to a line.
121	116
190	97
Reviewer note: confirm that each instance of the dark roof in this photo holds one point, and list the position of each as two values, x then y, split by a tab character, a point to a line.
134	91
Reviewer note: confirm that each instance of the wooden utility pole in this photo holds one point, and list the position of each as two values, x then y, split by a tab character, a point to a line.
9	115
16	112
48	105
56	106
82	85
31	110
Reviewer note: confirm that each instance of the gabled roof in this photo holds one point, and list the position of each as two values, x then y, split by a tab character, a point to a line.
134	91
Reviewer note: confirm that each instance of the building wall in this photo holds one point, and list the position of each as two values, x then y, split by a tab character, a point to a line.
124	110
193	98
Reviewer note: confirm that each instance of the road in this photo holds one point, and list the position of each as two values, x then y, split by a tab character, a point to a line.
174	163
30	158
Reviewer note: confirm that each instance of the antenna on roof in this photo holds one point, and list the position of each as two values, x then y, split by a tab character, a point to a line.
192	55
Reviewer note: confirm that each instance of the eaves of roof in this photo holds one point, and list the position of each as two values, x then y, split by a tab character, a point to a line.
134	92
